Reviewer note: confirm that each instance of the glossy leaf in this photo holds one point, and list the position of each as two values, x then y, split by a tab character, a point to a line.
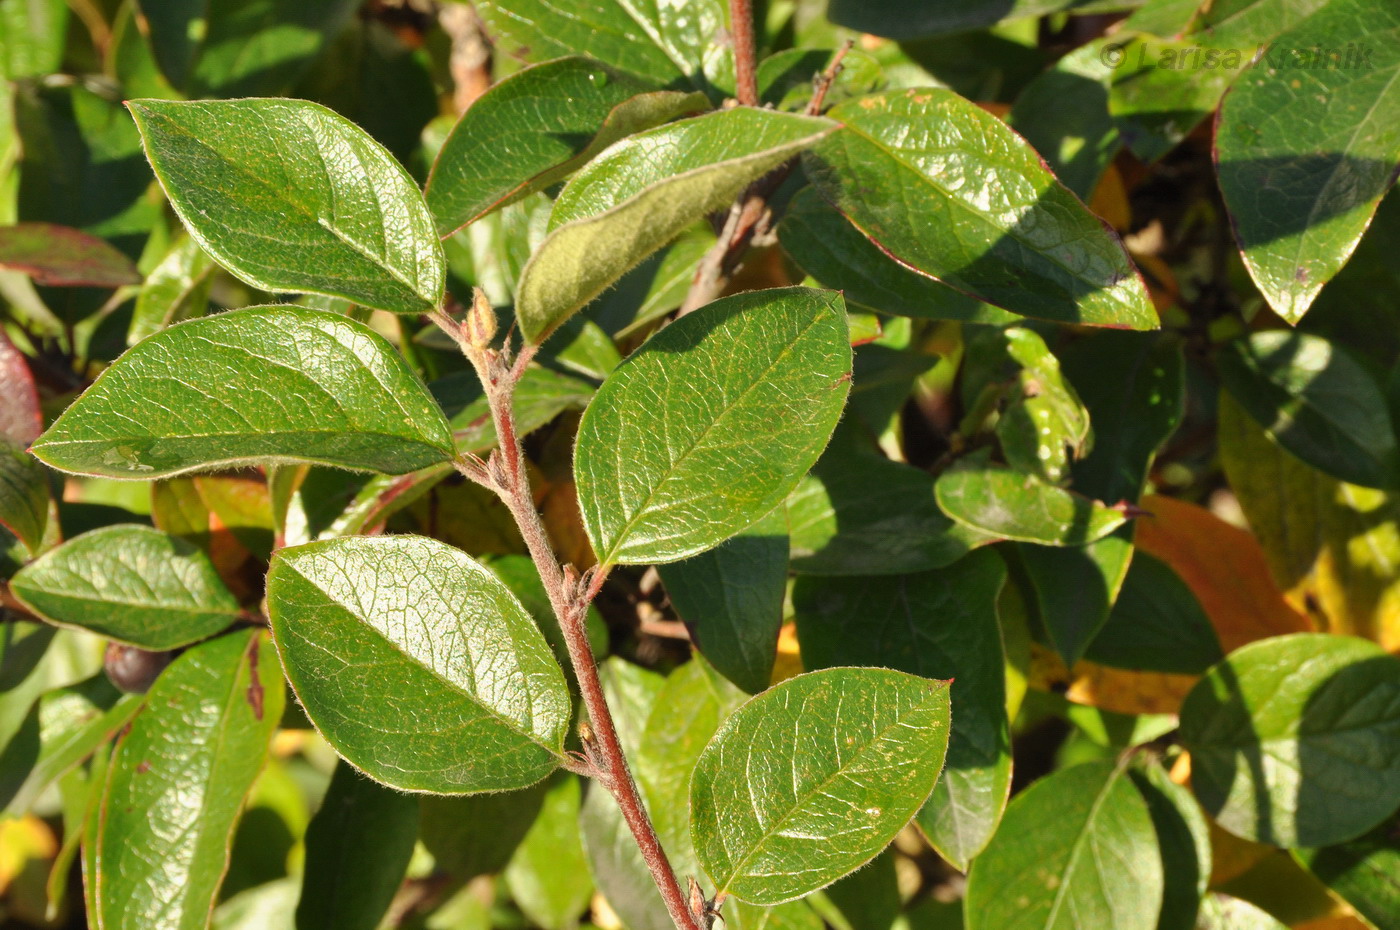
731	600
24	495
939	624
1043	423
863	514
775	365
548	875
177	782
671	44
1076	849
357	850
1307	144
263	384
1295	740
911	168
131	584
464	695
60	255
1364	872
535	128
640	194
340	217
827	246
1316	401
811	779
1001	502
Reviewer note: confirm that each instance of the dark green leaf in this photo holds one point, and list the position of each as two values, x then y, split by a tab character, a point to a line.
1064	114
1295	740
909	19
1308	142
535	128
240	48
548	875
61	255
731	599
132	584
640	194
1156	625
357	850
263	384
869	898
939	624
1365	872
664	43
178	781
1316	401
1075	588
813	778
1077	849
825	245
911	168
417	664
1010	505
478	835
24	495
1184	841
290	196
775	366
862	514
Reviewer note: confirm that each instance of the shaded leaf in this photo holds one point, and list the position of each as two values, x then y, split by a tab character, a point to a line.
348	222
464	695
1295	740
535	128
910	169
909	19
61	255
24	495
1003	503
1076	849
1076	587
540	396
177	782
131	584
731	600
548	875
477	835
263	384
939	624
776	367
811	779
177	289
640	194
1365	872
1184	841
1156	625
1307	145
1318	402
21	420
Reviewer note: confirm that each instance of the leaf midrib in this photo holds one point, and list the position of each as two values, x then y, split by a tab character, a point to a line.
1080	840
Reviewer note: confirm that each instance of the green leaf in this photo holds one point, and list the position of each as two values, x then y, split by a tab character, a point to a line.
477	835
1295	740
540	396
775	365
178	781
1043	422
812	779
32	34
664	43
910	19
357	850
1077	849
731	599
132	584
1184	841
1076	587
289	196
258	385
1222	912
537	127
910	169
825	245
548	875
939	624
862	514
1000	502
177	289
1307	144
240	48
61	255
1317	401
1364	872
24	495
1156	625
640	194
453	691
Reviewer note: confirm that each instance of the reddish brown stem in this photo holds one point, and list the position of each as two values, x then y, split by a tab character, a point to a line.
570	596
745	57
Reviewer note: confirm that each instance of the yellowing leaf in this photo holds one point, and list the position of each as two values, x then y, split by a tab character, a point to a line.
1114	689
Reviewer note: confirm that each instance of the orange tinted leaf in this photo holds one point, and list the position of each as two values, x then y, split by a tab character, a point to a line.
1113	689
1223	566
